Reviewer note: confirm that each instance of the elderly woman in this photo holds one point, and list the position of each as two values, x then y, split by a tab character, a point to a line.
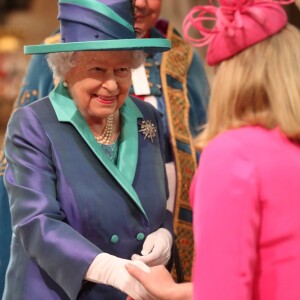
85	175
245	194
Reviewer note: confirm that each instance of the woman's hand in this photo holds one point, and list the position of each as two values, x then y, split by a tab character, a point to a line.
160	284
156	249
109	269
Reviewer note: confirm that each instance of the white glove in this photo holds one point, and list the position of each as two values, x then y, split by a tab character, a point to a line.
109	269
156	249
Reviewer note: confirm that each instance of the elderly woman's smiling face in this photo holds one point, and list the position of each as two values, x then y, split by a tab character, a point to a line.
100	82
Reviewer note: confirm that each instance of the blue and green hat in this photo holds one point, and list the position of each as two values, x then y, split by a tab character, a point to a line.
106	25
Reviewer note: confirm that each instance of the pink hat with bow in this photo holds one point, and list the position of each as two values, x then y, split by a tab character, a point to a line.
239	24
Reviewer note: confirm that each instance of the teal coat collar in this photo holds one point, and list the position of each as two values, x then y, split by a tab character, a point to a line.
124	172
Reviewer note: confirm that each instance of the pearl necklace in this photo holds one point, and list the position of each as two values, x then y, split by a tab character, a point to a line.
106	135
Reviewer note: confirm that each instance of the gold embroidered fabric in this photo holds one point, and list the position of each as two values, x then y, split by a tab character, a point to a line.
2	161
175	63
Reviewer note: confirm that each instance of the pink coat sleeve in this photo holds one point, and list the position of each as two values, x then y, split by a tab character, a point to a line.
226	220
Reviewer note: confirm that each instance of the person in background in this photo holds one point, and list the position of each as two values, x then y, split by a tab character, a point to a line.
79	164
175	83
179	89
245	194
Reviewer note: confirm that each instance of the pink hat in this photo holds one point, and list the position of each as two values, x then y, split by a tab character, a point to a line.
238	25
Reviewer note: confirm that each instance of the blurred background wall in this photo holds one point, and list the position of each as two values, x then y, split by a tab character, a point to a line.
24	22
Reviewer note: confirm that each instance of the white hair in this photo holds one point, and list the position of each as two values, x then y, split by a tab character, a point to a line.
62	62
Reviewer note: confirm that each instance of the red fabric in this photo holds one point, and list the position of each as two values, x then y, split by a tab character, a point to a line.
141	97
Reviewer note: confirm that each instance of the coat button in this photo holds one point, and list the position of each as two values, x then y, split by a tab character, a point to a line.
114	239
140	236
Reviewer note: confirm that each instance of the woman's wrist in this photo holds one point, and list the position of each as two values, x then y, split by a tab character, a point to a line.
180	291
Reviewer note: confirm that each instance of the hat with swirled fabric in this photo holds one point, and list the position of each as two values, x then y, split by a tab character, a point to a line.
238	24
98	25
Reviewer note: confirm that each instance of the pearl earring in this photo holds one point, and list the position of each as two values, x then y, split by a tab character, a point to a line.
65	84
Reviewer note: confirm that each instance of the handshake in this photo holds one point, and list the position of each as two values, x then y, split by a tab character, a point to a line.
110	270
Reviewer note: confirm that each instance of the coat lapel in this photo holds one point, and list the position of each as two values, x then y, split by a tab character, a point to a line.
124	172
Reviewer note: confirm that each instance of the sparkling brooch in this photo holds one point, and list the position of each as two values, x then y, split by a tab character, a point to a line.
148	129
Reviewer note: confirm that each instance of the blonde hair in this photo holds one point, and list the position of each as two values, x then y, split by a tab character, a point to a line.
259	86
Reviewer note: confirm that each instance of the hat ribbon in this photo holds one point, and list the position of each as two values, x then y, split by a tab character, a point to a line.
228	18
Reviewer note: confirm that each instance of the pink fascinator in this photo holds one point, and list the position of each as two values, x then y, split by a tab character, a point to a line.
238	25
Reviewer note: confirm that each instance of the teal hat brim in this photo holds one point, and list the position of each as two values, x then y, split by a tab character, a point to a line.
147	44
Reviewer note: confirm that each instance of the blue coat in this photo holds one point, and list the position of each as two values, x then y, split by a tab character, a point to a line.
69	202
38	83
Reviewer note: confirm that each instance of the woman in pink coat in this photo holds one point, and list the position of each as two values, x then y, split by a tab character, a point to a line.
246	192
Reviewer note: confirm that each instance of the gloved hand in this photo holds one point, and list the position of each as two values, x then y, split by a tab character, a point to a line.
109	269
156	249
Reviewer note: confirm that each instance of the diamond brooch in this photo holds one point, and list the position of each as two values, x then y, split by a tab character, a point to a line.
148	129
